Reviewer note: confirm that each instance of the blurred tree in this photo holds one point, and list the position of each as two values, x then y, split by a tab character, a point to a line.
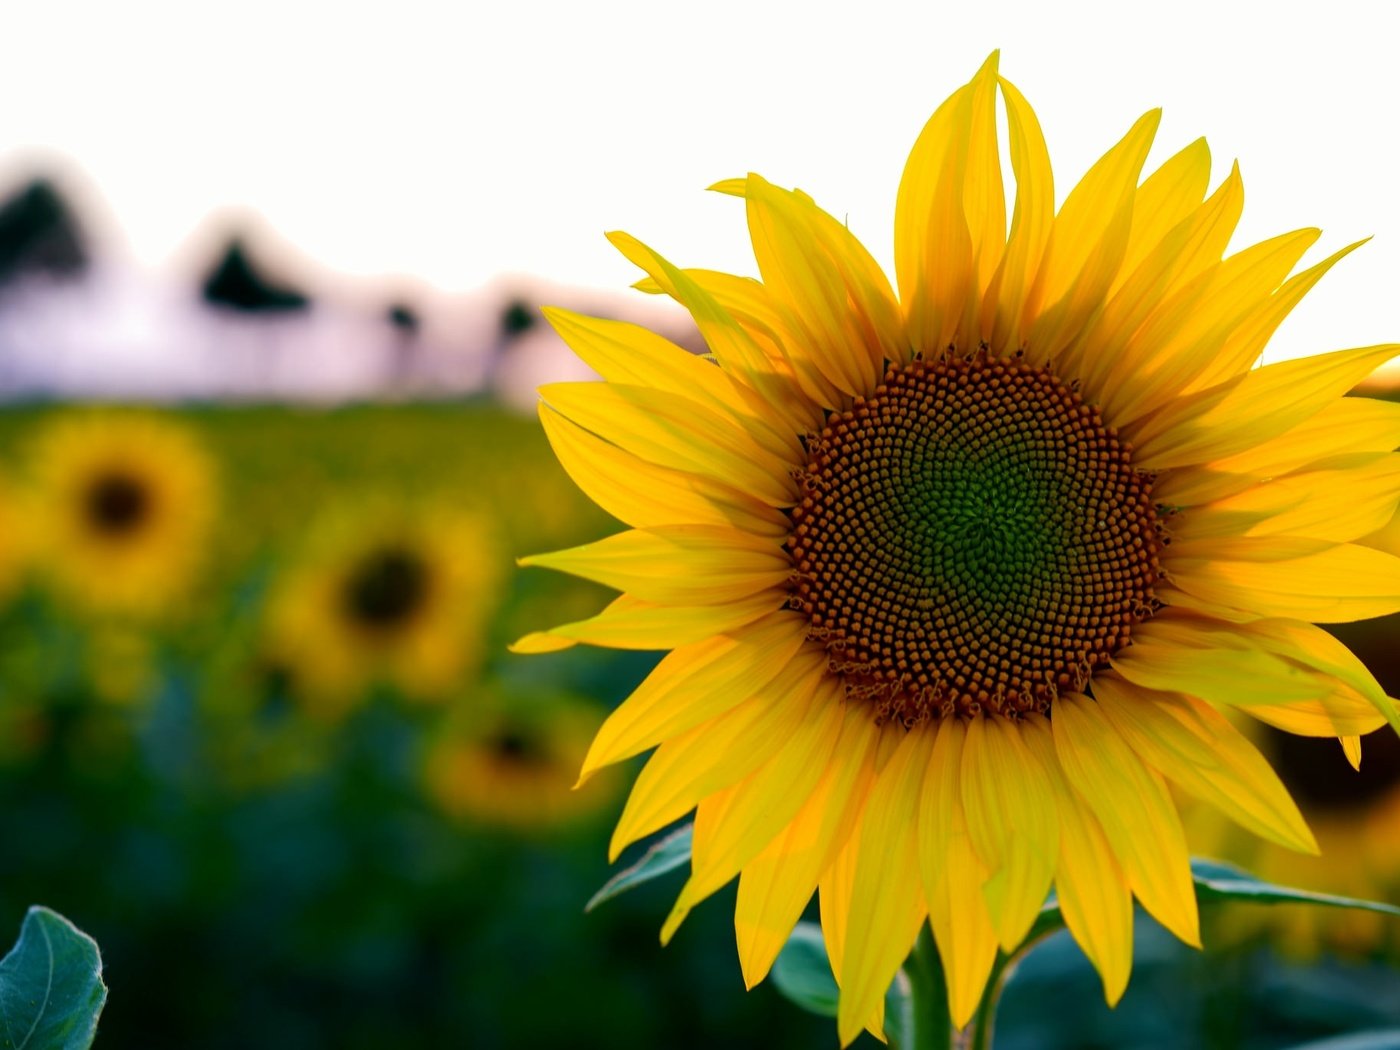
236	282
518	318
39	234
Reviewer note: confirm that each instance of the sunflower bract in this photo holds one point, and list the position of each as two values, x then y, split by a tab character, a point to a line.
956	582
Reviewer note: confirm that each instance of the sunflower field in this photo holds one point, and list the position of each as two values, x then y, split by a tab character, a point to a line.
263	738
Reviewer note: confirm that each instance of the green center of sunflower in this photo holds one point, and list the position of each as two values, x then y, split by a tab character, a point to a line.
387	588
117	503
971	539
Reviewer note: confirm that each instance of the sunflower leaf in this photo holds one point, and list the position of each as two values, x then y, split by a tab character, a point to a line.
51	989
1216	881
665	854
1377	1039
803	974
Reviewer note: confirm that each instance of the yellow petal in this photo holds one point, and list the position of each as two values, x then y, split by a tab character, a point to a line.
886	904
1325	654
799	271
1197	748
684	564
1108	352
1004	304
629	354
1252	333
747	302
953	876
1343	712
1165	200
1351	747
630	623
1295	578
1135	811
1184	337
1087	244
1224	420
642	494
1218	676
1346	426
1012	824
1353	500
984	196
835	886
775	888
733	825
1092	890
673	431
715	754
732	346
695	683
932	244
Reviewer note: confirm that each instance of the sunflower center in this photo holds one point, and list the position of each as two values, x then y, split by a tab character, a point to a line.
117	503
1319	776
387	588
971	539
512	746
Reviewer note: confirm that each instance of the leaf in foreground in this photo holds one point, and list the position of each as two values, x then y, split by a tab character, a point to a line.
666	854
51	989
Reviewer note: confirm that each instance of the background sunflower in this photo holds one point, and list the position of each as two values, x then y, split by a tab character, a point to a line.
122	504
513	761
384	594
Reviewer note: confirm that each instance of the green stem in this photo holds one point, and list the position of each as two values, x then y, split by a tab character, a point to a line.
931	1025
978	1034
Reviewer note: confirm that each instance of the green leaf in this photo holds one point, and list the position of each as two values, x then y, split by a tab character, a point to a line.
1216	881
803	975
51	989
666	854
1379	1039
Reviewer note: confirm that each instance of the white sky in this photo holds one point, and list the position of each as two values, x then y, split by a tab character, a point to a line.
453	142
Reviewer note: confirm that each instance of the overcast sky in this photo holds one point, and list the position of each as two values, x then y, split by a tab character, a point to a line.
453	142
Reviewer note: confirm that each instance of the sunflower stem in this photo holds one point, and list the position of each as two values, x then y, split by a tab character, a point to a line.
932	1025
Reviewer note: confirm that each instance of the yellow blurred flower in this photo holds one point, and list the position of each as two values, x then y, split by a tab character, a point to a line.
515	765
955	580
14	538
385	594
123	507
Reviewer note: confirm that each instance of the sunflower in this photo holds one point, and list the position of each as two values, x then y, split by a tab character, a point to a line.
956	581
14	540
513	766
384	595
124	503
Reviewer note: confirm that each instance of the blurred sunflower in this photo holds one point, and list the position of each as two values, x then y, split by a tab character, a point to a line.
123	507
514	765
14	539
956	582
383	596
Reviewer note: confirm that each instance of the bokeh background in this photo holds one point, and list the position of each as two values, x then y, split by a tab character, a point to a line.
269	335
